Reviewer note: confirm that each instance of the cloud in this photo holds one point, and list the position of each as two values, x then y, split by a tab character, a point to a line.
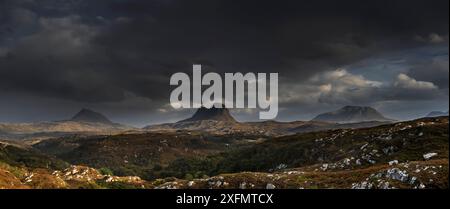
99	51
136	45
342	87
436	39
405	82
433	38
58	60
22	17
3	52
331	87
435	70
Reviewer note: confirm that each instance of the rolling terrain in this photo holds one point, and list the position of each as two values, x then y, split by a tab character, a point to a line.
133	154
401	153
270	154
337	149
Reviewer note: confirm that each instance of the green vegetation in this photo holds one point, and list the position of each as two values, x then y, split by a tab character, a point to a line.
116	185
325	159
193	155
106	171
402	144
17	157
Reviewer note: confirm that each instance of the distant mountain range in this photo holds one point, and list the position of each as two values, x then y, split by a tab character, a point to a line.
85	122
352	114
217	121
437	114
220	121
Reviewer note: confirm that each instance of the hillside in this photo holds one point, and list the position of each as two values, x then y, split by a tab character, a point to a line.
411	154
330	150
19	155
133	154
23	167
407	175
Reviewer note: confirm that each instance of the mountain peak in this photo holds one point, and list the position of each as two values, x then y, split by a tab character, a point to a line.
213	113
352	107
352	114
87	115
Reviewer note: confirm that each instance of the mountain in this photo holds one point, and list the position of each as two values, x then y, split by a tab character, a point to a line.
352	114
86	115
437	114
85	122
219	121
213	113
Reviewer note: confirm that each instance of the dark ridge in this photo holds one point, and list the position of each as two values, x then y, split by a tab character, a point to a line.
86	115
351	114
213	113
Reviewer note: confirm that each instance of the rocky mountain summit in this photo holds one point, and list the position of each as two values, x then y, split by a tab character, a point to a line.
213	113
86	115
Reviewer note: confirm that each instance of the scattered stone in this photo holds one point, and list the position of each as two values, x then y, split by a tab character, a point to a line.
281	166
190	183
362	185
412	180
393	162
383	185
270	186
364	146
429	155
388	150
397	174
347	161
324	167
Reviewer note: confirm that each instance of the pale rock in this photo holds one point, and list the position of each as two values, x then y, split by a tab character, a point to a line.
429	155
393	162
270	186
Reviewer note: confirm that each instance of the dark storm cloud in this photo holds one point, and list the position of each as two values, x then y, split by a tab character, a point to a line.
98	51
439	68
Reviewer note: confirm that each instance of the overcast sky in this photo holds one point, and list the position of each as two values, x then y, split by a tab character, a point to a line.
116	56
